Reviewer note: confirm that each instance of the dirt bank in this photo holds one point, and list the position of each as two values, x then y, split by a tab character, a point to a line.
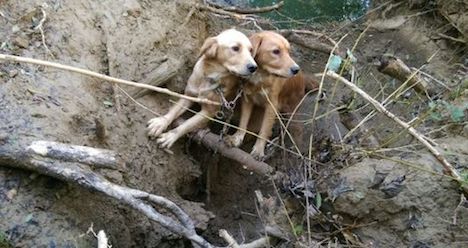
361	195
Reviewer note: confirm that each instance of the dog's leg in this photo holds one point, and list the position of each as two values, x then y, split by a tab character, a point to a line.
237	138
269	117
167	139
159	124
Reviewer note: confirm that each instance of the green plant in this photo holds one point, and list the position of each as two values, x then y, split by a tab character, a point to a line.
441	110
4	243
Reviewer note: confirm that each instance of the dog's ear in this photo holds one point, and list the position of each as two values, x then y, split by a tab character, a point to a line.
209	48
256	40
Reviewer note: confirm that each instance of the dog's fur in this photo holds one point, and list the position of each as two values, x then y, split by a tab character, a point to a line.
278	77
222	59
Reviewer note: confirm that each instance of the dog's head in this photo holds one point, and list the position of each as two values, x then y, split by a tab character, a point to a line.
271	51
233	50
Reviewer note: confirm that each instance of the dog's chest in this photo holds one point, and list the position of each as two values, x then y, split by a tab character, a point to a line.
256	94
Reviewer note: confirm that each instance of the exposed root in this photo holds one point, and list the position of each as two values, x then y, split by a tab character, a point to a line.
40	27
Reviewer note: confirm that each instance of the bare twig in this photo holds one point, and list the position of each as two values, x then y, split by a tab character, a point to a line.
256	10
451	38
104	77
448	168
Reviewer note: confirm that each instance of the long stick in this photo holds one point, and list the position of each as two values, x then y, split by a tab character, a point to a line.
103	77
377	105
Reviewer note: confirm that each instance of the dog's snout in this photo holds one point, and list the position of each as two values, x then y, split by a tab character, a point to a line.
295	69
252	67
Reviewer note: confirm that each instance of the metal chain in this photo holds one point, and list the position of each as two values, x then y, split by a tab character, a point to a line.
227	107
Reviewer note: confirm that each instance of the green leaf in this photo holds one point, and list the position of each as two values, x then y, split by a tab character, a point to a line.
334	63
318	201
457	114
298	230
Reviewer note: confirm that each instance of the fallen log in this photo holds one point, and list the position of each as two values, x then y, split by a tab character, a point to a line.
167	70
72	153
396	68
213	142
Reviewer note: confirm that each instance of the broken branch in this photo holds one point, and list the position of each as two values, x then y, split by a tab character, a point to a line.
213	142
396	68
238	10
448	168
103	77
315	45
72	153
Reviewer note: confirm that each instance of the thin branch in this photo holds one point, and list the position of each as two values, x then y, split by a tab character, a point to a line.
238	10
104	77
448	168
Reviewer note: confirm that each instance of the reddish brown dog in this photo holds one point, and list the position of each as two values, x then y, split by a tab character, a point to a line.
278	85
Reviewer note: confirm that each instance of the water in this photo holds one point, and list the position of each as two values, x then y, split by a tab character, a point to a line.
298	13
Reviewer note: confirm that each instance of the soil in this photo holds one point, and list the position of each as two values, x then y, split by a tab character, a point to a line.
365	200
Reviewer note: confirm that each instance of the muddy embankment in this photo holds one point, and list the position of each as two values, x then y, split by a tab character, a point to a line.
362	194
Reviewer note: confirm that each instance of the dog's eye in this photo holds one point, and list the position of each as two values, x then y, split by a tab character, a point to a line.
251	50
235	48
276	51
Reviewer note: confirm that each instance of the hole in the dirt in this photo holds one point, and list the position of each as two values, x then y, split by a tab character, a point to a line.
193	189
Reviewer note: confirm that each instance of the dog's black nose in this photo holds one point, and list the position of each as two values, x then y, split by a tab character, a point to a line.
252	67
295	69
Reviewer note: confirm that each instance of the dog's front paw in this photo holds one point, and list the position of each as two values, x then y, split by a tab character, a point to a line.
156	126
258	152
233	140
166	140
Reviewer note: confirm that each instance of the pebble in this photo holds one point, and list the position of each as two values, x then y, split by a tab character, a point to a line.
13	73
21	42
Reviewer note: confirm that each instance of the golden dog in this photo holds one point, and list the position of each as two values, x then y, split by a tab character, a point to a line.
222	60
277	84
